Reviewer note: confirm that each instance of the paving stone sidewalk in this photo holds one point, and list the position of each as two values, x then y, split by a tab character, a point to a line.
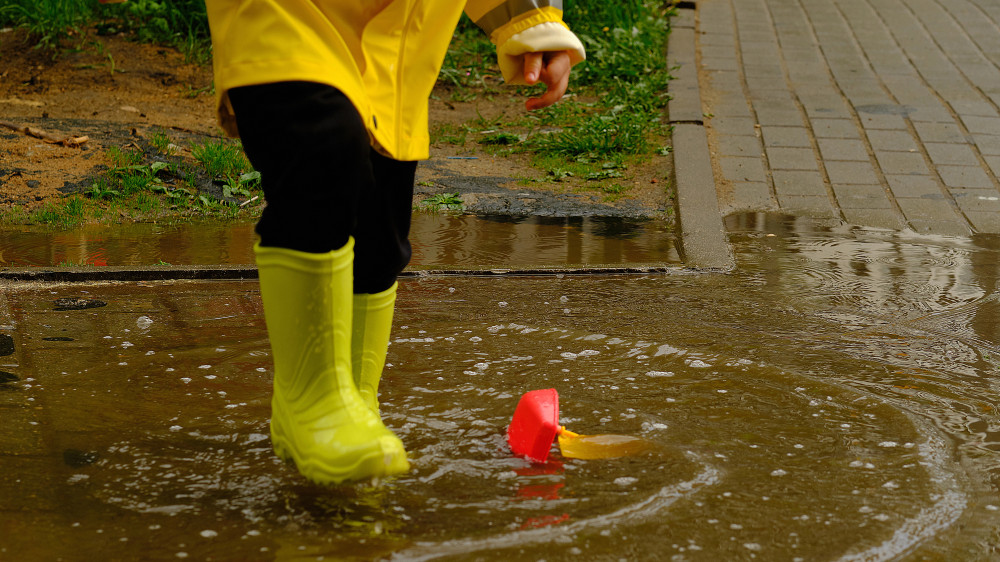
882	113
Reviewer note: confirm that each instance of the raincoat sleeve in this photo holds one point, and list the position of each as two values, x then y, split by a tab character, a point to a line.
517	27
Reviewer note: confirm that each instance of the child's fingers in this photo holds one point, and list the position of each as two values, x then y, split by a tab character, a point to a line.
532	67
555	75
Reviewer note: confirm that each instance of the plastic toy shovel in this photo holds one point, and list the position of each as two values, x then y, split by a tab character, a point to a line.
536	425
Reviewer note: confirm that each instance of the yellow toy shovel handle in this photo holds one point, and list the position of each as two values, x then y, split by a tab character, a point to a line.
576	446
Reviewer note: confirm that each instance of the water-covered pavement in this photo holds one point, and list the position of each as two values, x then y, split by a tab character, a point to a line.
832	398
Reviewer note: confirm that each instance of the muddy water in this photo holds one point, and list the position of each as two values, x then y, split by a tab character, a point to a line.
439	240
834	398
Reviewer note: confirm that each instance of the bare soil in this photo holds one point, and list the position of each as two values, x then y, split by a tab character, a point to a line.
120	92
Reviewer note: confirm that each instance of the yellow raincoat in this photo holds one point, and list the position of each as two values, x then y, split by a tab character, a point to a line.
384	55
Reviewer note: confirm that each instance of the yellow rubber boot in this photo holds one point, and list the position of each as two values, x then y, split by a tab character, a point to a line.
370	341
318	419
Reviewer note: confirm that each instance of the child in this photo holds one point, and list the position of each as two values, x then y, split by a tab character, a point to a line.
330	100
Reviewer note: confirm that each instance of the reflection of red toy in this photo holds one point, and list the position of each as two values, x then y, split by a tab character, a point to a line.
535	424
540	491
547	469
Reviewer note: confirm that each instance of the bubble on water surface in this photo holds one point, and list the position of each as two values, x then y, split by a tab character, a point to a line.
208	534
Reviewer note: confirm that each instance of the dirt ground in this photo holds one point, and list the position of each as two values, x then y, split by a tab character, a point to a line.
119	92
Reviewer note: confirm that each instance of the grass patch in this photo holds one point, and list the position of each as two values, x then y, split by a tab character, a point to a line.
55	25
222	159
469	66
448	133
625	72
154	183
443	202
618	95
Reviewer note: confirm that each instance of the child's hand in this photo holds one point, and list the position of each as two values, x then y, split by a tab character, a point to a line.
552	69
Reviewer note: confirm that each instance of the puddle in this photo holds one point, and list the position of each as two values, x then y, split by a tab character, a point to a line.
832	399
439	240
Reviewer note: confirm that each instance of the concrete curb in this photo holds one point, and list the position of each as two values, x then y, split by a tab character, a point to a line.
148	273
702	232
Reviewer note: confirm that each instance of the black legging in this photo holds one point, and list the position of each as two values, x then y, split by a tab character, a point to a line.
322	181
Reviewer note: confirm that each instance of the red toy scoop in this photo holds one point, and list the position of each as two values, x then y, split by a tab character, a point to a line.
535	424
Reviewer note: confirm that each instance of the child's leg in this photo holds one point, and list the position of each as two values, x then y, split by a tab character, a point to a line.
311	148
382	245
312	151
382	250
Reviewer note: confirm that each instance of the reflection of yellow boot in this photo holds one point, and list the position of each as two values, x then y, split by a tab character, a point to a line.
318	419
370	340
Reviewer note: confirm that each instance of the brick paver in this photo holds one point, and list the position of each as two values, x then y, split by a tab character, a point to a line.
878	112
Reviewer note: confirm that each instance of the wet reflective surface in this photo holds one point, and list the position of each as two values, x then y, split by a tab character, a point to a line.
439	240
833	398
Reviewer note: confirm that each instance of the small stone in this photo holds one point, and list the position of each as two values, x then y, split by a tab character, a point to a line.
76	458
6	345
